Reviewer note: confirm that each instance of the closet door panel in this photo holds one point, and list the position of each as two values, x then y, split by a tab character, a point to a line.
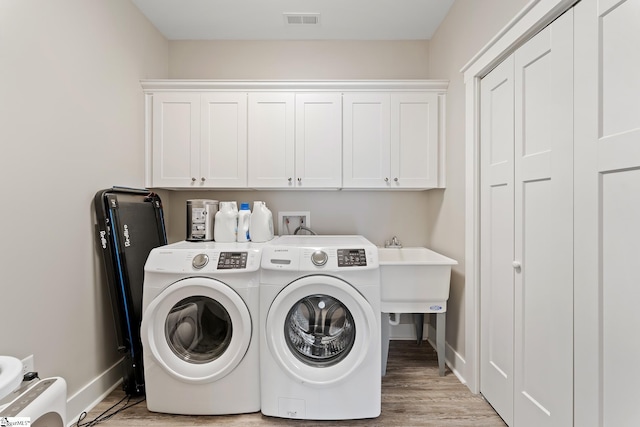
497	222
543	227
607	212
619	168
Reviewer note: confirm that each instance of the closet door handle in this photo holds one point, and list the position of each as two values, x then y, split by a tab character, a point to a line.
516	265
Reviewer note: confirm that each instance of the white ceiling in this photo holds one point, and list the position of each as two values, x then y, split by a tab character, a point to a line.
264	19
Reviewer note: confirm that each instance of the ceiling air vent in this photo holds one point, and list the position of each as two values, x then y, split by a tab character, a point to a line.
302	18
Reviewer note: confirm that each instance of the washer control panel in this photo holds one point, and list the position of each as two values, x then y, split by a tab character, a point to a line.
232	260
352	258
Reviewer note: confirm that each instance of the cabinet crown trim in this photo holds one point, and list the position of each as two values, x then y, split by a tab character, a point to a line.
295	85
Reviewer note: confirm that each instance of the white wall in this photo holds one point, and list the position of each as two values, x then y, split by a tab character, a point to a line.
469	25
305	60
71	123
375	214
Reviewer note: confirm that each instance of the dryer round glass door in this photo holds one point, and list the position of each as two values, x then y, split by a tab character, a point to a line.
320	329
197	329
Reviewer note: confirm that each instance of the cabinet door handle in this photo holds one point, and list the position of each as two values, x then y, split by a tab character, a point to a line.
202	179
289	180
299	180
386	180
516	265
395	179
193	179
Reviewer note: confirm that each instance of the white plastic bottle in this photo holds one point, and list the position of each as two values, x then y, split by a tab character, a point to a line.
261	225
226	223
244	218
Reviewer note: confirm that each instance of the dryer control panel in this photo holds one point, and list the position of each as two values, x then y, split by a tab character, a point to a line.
232	260
352	258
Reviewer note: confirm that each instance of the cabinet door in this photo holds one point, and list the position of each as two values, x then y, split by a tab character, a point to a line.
414	140
176	140
318	140
271	140
223	150
366	140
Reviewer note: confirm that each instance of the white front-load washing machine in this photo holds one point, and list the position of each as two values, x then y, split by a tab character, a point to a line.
199	328
320	328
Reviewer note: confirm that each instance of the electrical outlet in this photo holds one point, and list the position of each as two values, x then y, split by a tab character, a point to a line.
28	364
288	222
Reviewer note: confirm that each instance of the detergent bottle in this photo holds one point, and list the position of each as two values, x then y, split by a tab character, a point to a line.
261	224
244	217
226	224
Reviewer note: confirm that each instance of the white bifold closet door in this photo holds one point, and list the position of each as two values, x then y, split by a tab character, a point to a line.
527	231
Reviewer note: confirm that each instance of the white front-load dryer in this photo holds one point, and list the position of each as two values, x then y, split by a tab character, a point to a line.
320	328
199	328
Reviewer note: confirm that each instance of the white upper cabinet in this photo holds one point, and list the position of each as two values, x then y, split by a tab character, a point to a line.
223	148
199	140
298	135
295	140
271	139
176	140
415	140
366	140
393	140
318	140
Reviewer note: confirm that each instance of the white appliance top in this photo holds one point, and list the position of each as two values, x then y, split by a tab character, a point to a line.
232	246
320	253
307	241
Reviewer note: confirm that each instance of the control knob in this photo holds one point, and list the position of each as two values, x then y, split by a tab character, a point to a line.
199	261
319	258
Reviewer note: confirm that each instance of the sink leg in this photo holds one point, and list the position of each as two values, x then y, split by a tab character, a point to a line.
384	323
441	321
418	323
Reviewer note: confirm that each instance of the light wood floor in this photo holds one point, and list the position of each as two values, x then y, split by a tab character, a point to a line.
412	395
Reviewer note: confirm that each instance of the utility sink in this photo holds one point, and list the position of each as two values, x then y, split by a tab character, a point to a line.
414	280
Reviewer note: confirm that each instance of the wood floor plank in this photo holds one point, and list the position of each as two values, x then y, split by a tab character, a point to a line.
413	395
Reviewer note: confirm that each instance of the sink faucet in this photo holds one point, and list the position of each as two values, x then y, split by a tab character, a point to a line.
394	243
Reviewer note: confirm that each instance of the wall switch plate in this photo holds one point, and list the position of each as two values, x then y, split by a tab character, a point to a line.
28	364
288	222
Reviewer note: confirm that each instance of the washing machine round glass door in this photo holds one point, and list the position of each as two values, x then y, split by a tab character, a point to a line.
197	329
320	329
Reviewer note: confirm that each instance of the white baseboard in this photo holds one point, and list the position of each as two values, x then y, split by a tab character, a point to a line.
403	331
93	393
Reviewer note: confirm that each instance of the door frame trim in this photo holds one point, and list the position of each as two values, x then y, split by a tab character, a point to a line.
536	15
